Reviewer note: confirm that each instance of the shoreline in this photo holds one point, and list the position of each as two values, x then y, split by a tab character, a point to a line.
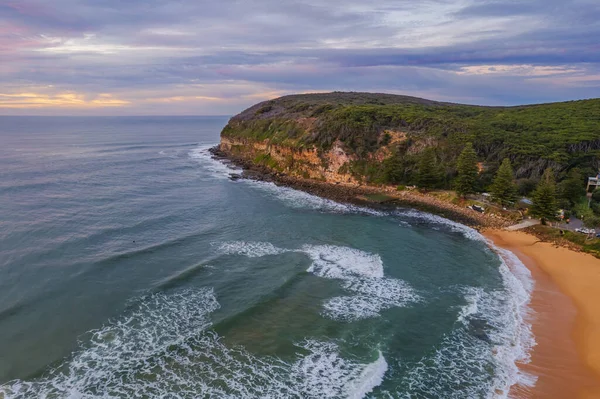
566	323
566	358
358	194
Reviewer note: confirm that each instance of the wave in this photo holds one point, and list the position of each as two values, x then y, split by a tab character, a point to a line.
215	169
361	275
181	276
429	218
470	366
479	358
507	311
289	196
115	258
371	377
516	335
300	199
163	347
250	249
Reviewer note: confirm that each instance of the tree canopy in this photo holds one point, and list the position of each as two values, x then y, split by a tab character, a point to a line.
428	176
467	169
544	198
504	189
571	189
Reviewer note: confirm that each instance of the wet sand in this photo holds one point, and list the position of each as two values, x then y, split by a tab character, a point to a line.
565	319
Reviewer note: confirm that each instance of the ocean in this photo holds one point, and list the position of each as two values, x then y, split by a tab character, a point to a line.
131	266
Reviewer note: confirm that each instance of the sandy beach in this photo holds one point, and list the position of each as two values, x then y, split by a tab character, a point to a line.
566	318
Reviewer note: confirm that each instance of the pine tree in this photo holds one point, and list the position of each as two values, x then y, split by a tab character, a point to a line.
427	176
544	198
572	189
468	171
504	189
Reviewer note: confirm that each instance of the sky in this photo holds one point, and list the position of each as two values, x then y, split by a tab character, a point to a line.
200	57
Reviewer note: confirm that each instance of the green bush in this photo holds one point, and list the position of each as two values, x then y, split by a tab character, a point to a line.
563	136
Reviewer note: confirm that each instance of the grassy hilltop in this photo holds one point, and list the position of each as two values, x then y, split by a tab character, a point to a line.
558	135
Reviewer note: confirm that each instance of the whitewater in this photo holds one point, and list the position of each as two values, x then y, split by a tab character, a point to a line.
155	275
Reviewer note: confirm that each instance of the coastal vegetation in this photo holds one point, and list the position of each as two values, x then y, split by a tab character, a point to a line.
544	152
544	198
503	188
466	181
422	134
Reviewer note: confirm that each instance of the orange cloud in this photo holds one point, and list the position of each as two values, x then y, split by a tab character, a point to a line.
62	100
176	99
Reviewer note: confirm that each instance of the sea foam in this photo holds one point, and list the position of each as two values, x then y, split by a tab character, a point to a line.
500	318
214	168
429	218
512	337
360	273
164	347
293	198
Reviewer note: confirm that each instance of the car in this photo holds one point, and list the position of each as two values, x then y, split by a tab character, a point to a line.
477	208
583	230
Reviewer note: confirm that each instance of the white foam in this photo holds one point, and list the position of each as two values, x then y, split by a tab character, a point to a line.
215	168
163	349
291	197
371	377
472	296
370	297
466	231
495	335
300	199
341	262
516	336
345	379
361	275
508	311
250	249
108	364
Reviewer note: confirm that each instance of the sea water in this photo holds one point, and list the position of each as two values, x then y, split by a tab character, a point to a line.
131	266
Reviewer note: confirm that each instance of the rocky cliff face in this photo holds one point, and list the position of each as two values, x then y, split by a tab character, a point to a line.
382	138
331	166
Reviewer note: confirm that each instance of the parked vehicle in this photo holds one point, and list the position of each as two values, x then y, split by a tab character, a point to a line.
478	208
583	230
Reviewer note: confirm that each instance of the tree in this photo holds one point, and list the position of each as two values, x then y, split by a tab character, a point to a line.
526	186
468	171
544	198
503	188
393	169
571	189
596	195
427	176
592	221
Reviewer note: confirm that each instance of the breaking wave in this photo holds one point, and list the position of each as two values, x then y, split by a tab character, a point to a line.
164	348
429	218
360	273
291	197
496	322
215	169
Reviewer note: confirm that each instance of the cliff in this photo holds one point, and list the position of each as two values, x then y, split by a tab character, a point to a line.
380	138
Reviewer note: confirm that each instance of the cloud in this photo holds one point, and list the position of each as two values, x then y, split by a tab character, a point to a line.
66	100
217	57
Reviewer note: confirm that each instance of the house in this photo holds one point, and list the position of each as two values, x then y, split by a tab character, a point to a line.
593	183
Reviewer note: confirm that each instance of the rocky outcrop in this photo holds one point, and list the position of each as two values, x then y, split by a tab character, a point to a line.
330	166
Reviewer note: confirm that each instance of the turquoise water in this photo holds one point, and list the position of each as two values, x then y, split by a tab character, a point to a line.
132	267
